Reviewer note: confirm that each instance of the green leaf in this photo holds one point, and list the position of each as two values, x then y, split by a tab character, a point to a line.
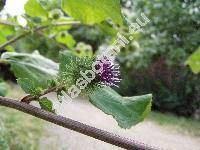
46	104
29	86
5	31
34	9
194	61
127	111
65	38
50	4
33	66
93	11
2	37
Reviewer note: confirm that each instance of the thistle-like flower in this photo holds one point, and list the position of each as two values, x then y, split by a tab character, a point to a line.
109	74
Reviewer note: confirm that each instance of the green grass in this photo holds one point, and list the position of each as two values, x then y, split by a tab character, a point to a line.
181	124
18	131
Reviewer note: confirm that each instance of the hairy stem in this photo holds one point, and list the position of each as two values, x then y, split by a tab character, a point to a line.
75	125
27	99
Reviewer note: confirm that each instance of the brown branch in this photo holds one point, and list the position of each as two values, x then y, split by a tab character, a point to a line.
75	125
35	30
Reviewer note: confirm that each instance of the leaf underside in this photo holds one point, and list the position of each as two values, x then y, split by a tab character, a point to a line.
34	67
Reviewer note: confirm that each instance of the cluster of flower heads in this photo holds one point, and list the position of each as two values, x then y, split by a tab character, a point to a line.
86	74
110	72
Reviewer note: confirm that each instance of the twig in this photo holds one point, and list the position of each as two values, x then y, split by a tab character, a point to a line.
12	25
27	99
14	39
35	30
75	125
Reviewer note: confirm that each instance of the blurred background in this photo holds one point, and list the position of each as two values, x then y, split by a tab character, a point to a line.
154	62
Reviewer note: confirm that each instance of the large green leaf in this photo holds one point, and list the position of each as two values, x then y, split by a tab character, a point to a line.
93	11
28	86
127	111
34	9
194	61
33	66
50	4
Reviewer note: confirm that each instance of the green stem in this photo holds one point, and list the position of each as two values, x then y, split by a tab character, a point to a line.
27	99
13	40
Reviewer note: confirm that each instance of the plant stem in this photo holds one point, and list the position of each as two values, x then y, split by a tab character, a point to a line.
34	30
14	39
27	99
75	125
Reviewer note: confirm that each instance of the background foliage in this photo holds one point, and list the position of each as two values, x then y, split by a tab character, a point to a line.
156	61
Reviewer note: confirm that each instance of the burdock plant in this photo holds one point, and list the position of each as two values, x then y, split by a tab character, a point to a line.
74	73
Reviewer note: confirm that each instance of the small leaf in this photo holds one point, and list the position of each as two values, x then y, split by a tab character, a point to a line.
34	9
194	61
127	111
65	38
5	31
46	104
29	86
93	11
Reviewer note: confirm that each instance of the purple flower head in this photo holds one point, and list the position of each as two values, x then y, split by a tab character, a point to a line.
109	74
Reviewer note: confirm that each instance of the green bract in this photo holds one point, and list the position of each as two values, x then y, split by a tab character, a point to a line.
70	68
